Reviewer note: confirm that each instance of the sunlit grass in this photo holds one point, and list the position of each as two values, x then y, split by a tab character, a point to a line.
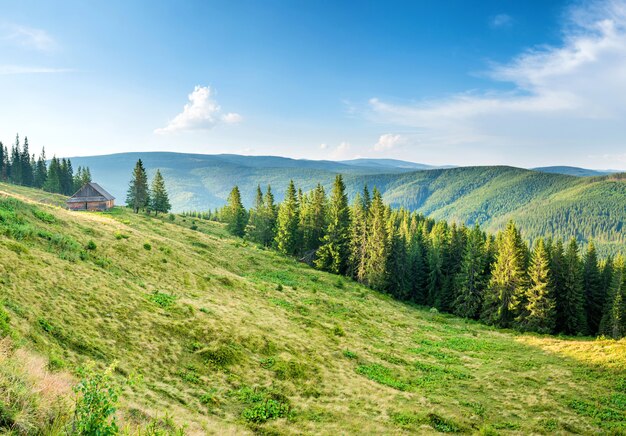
227	337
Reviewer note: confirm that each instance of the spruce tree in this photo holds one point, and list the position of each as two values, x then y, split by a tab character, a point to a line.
358	236
594	291
4	163
234	214
396	265
255	221
613	322
574	320
508	280
436	257
313	216
138	196
53	180
470	280
287	237
540	311
376	245
270	216
334	252
159	199
41	171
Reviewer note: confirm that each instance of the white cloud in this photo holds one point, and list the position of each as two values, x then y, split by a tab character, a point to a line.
201	113
342	151
28	37
569	94
323	146
388	141
17	69
501	20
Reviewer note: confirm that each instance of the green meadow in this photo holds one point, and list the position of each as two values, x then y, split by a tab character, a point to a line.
210	334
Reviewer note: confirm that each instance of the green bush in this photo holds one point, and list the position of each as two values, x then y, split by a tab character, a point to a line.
162	299
147	246
441	424
44	216
91	245
349	354
172	217
96	403
268	409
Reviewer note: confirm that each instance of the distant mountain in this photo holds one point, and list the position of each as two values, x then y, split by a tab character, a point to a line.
575	171
542	203
390	163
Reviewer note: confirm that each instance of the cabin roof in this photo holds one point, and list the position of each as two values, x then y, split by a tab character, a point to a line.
90	192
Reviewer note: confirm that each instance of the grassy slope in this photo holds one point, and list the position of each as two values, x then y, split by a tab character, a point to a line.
346	358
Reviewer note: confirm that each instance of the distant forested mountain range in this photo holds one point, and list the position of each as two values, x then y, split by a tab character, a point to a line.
542	202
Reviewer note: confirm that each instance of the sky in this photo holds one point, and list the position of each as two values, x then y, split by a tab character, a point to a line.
443	82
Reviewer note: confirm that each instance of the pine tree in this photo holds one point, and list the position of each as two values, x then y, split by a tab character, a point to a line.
436	256
417	253
235	214
255	221
138	196
540	311
376	245
27	169
594	292
15	169
557	266
508	280
573	295
270	216
334	252
470	280
396	264
287	237
313	216
160	201
613	322
41	171
53	181
358	236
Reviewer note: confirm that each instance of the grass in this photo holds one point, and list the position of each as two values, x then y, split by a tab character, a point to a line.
225	337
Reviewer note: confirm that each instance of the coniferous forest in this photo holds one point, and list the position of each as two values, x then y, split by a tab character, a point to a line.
550	286
20	167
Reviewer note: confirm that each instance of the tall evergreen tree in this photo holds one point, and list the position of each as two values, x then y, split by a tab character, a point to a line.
437	254
255	220
358	236
594	291
334	252
41	170
397	283
138	196
235	214
287	237
540	312
27	169
159	199
508	280
376	258
53	181
470	280
313	216
573	294
613	322
4	163
270	216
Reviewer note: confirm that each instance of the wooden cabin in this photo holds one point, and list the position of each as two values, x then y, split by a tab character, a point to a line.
91	197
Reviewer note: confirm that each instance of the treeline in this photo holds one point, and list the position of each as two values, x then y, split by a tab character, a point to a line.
499	279
19	167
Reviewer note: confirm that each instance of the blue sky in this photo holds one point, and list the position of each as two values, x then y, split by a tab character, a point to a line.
443	82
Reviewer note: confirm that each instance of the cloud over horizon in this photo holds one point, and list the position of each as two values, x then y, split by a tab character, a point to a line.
201	113
571	93
28	37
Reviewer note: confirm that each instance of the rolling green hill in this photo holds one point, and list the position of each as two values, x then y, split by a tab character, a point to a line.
543	204
228	338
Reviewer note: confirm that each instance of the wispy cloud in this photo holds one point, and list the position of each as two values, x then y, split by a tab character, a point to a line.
28	37
501	20
573	93
17	69
201	113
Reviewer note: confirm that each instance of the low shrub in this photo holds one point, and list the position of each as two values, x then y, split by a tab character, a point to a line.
96	403
147	246
162	299
221	355
91	245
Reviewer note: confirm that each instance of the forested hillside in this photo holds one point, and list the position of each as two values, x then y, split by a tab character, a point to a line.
562	206
218	335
